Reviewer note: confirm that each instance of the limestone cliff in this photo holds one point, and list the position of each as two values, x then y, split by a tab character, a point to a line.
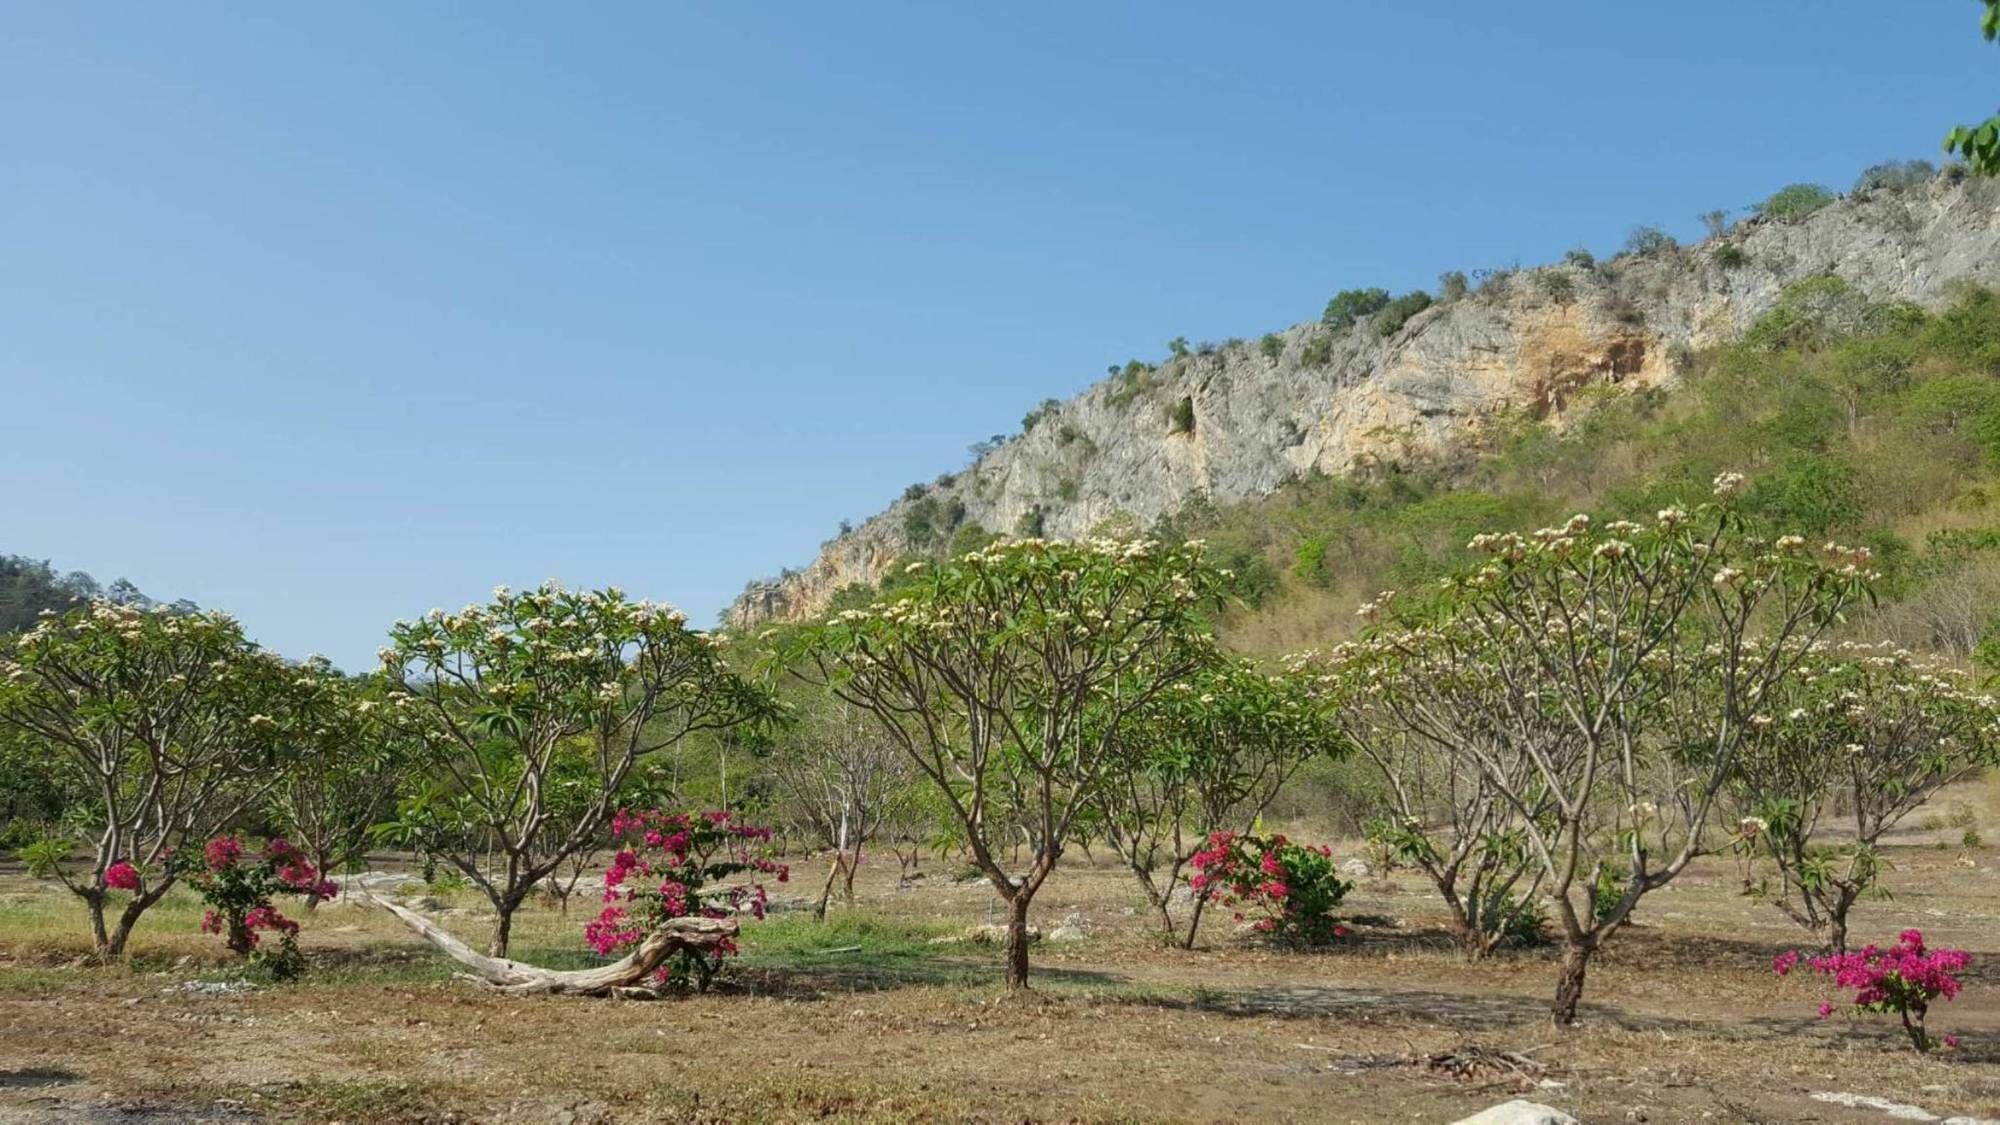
1315	399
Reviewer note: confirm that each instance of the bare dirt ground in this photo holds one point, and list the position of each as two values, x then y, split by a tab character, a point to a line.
1683	1019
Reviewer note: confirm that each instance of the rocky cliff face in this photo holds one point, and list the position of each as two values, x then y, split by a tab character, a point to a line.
1237	421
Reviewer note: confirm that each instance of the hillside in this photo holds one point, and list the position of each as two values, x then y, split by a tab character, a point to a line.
1217	426
30	586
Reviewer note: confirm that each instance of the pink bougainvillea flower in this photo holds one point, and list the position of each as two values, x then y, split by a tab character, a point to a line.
221	852
121	876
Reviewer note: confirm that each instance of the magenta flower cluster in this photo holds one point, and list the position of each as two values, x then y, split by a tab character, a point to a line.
1901	980
677	865
1293	886
239	889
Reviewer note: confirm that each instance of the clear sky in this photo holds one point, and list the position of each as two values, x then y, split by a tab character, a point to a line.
328	314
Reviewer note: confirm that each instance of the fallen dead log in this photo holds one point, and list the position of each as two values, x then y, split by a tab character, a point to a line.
630	976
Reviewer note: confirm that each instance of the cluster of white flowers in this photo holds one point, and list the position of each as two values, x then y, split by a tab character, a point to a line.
1373	610
1728	486
1505	545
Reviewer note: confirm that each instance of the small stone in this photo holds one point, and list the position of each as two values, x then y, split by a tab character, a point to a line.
1519	1112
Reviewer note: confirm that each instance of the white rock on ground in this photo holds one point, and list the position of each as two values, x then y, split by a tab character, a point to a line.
1519	1112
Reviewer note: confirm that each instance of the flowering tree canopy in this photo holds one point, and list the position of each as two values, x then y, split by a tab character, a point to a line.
1446	817
1292	886
1626	670
681	865
346	767
1902	980
1019	662
532	711
841	780
1209	753
1871	728
238	889
162	723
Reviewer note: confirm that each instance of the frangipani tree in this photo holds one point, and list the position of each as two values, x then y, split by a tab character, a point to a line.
842	780
1026	659
1210	752
513	701
1411	704
1659	649
1874	729
161	723
346	767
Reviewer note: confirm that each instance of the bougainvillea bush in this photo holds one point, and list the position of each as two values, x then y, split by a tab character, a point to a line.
1292	887
678	865
1901	980
239	888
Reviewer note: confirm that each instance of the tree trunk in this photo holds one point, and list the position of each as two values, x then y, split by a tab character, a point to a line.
1194	923
1017	942
847	882
322	864
1569	986
628	976
1836	918
503	926
826	892
100	937
112	947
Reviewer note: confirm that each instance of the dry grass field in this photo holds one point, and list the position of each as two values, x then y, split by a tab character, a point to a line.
868	1017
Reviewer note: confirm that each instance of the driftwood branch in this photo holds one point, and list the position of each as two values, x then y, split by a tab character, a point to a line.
629	976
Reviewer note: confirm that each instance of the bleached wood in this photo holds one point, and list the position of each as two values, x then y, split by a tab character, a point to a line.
629	976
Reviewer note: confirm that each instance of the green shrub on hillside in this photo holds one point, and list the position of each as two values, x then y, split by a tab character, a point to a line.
1399	311
1649	240
1350	305
1795	201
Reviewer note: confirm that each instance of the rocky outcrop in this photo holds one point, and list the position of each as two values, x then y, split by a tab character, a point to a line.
1310	399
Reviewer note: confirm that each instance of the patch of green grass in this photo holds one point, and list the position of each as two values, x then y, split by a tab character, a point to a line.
856	949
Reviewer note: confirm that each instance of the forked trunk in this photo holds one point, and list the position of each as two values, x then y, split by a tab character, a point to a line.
1017	942
826	890
853	863
1569	986
111	939
503	926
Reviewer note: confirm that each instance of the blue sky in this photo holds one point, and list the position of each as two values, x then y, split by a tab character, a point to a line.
328	316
